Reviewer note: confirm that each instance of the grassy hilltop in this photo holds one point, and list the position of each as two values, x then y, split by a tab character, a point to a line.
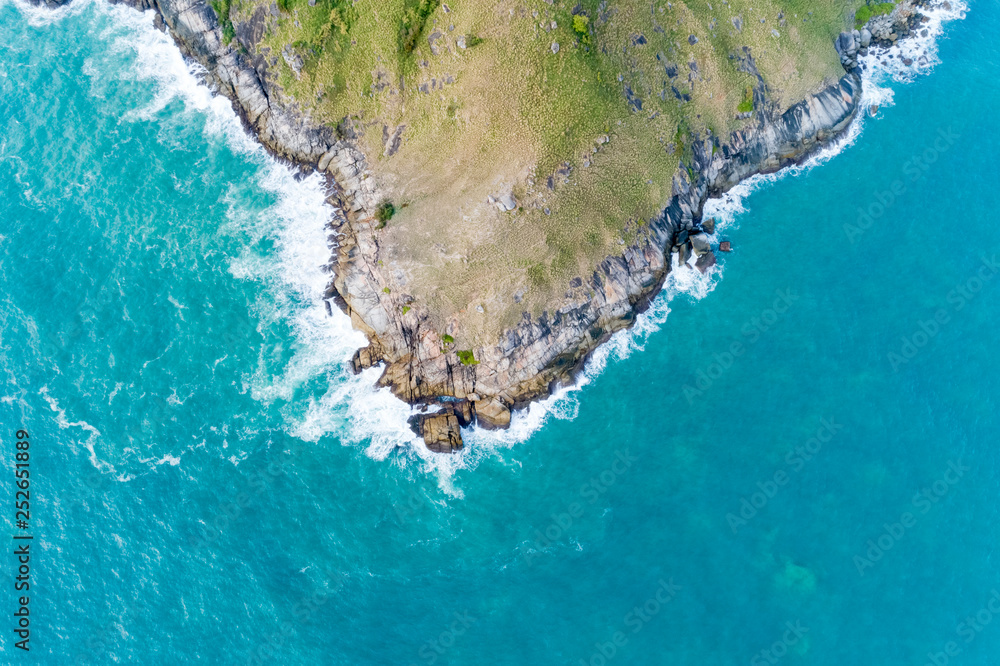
580	110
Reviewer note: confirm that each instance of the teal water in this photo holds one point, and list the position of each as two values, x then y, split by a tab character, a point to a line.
210	485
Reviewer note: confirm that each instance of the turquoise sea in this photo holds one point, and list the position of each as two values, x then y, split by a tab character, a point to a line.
794	460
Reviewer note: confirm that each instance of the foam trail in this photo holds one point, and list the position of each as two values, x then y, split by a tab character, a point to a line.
93	434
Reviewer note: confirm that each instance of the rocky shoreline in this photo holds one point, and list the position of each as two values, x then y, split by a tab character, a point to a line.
530	360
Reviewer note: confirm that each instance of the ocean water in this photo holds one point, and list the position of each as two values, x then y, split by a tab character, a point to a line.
793	460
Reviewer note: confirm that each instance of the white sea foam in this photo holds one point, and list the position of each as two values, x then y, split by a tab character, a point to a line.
352	407
45	16
93	434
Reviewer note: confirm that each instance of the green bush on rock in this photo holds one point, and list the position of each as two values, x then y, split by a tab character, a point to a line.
466	357
384	213
865	14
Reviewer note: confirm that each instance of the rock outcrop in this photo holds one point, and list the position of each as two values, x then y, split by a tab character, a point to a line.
886	30
848	44
531	359
528	360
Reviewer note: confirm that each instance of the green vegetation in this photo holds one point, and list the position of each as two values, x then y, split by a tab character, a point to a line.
586	138
342	15
384	213
406	308
466	357
536	275
580	23
746	106
414	19
222	8
447	339
865	13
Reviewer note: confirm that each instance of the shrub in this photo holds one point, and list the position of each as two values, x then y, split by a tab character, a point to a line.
865	14
580	27
221	8
746	106
466	357
384	213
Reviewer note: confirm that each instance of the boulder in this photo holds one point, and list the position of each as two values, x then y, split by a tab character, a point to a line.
492	414
363	359
324	160
441	432
881	29
708	226
847	48
683	254
866	38
705	261
726	246
845	45
700	244
463	412
506	202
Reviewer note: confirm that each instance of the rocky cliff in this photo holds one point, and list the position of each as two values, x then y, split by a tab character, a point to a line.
527	361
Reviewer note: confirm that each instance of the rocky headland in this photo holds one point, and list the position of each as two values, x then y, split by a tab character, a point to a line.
527	359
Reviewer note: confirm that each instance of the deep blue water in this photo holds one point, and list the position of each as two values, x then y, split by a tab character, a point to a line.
210	485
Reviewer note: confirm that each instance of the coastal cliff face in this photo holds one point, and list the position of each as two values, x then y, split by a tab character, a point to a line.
536	356
527	360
